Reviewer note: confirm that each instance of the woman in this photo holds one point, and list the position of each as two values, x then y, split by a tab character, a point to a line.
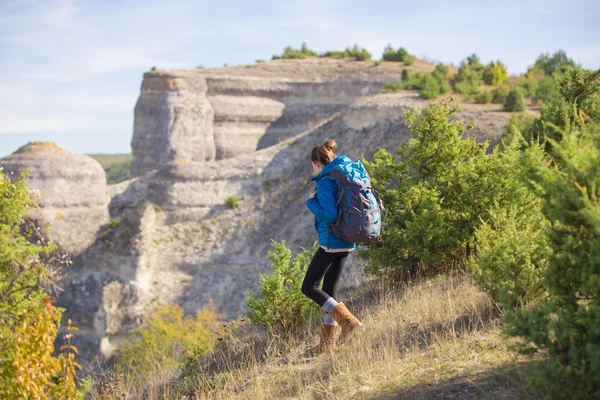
328	262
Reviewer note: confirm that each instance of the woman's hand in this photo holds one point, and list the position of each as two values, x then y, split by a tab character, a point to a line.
312	194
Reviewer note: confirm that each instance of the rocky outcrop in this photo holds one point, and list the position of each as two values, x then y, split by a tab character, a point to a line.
74	198
173	121
221	113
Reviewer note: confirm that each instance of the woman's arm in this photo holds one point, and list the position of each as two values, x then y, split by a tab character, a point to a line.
325	207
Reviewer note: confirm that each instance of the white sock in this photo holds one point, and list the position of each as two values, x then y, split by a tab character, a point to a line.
329	320
329	304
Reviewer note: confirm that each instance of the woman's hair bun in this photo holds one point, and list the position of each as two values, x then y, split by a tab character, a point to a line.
330	144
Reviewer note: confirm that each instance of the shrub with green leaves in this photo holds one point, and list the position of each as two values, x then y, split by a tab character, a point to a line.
546	91
484	97
232	202
437	188
495	73
577	105
401	55
356	52
512	246
549	64
522	123
291	53
166	338
515	101
429	85
499	94
467	79
280	306
565	325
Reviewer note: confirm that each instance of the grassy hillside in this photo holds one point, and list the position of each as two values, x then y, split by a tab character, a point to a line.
116	166
439	338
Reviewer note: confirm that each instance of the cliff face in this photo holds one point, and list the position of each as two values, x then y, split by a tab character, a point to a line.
222	113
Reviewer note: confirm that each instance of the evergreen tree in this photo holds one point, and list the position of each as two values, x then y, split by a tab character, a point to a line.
567	324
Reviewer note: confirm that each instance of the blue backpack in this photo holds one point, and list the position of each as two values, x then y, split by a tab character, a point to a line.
360	209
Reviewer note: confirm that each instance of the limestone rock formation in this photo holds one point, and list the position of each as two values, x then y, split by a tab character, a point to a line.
220	113
175	104
74	193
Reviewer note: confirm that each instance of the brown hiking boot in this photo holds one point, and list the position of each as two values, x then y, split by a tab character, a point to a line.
327	339
348	322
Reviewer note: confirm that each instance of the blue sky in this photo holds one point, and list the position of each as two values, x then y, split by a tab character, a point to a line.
70	71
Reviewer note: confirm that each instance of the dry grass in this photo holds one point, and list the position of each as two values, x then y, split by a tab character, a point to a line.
437	339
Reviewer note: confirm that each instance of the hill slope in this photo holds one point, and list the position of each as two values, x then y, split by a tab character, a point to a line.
439	338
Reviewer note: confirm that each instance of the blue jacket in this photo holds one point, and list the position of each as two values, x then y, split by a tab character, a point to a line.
324	206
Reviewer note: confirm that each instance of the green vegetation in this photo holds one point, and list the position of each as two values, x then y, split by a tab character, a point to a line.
290	53
549	64
29	321
232	202
515	101
116	166
164	341
500	94
280	306
495	73
401	55
564	324
512	247
437	188
429	85
484	97
539	85
358	53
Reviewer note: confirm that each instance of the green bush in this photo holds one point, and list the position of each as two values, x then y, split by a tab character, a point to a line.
549	64
431	88
521	122
499	94
484	97
512	246
565	325
468	78
164	341
405	75
291	53
475	64
429	187
577	106
232	202
495	73
358	53
402	55
515	100
280	306
528	86
547	90
429	85
29	321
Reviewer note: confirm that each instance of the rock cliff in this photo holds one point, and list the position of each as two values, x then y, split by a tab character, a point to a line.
211	114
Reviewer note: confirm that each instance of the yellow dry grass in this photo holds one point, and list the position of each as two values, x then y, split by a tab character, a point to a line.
440	338
441	335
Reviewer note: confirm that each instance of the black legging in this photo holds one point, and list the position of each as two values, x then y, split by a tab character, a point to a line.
325	264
